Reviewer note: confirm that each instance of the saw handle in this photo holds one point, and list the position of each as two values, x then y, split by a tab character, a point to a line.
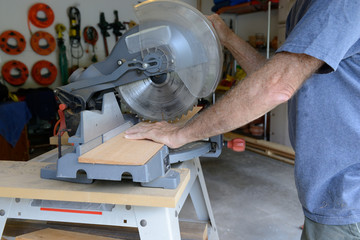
237	144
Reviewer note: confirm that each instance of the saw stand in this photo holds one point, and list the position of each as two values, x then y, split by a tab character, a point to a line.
176	174
154	211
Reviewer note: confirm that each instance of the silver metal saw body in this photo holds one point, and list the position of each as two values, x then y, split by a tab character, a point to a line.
159	69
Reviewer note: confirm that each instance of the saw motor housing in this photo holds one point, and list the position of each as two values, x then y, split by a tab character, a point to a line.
159	68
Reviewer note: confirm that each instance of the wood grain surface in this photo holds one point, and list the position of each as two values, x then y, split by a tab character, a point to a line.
122	151
22	180
55	234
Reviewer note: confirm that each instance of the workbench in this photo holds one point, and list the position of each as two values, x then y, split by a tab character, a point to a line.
154	211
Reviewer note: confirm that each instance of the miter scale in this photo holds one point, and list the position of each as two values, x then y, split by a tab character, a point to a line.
158	69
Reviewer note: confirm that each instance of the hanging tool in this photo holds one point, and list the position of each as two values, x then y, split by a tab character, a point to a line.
63	62
74	34
130	24
117	26
91	36
104	26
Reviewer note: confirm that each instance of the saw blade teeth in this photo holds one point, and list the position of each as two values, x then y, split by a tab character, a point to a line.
137	96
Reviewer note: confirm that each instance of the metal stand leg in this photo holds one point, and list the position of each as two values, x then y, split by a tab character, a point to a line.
5	204
200	198
157	223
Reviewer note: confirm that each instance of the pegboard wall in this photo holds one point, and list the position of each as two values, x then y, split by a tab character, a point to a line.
14	16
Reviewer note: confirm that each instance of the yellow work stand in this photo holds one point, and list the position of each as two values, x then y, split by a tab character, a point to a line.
154	211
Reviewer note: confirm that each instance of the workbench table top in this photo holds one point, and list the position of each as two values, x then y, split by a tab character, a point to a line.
22	180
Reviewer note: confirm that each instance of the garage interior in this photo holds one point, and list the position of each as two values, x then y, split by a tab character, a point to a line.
252	192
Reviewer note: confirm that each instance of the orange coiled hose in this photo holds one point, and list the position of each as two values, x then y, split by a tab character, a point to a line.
36	20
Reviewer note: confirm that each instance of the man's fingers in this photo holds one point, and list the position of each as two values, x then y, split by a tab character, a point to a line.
132	130
134	136
140	131
140	127
162	132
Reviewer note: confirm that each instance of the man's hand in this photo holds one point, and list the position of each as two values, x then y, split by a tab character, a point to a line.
161	132
246	56
223	31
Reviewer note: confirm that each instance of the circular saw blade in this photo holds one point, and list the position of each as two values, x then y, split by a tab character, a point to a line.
191	60
191	39
163	97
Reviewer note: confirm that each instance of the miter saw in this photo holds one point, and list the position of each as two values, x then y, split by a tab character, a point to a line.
158	69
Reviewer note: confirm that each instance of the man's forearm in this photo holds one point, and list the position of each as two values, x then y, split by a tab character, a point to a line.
246	56
259	93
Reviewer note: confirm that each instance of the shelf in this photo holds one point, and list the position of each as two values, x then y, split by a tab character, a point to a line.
248	7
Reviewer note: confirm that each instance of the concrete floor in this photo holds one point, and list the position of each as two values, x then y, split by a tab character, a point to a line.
253	197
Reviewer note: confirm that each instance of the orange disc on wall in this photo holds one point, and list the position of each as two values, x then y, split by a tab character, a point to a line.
47	38
41	21
12	42
15	72
44	72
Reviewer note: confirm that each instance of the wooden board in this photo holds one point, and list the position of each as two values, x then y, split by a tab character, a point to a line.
55	234
189	230
122	151
22	180
193	230
16	227
54	140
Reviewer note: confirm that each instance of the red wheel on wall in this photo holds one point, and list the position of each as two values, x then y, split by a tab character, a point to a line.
44	72
12	42
15	72
43	49
41	21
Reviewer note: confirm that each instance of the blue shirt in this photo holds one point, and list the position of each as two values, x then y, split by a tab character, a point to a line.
324	114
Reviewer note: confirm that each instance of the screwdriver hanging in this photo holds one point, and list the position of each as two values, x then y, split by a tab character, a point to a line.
104	26
117	26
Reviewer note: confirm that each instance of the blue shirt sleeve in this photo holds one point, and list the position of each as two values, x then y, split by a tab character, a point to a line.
327	30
